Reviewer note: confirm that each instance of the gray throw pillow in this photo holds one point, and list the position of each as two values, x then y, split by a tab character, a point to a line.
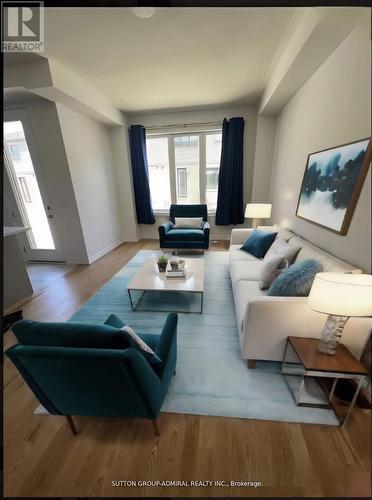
272	267
282	247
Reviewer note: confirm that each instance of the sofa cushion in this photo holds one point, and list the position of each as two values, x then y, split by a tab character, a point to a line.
259	242
296	281
245	291
328	261
237	254
245	270
184	234
69	335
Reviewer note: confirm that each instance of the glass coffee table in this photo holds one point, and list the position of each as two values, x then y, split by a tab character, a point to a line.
150	279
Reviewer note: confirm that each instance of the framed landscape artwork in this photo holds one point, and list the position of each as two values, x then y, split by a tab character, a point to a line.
332	183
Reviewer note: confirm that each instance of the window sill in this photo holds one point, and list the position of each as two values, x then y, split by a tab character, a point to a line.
161	212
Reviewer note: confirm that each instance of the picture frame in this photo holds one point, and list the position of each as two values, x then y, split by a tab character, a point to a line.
332	183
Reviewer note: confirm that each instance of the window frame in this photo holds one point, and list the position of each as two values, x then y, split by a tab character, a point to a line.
15	156
24	188
182	170
170	136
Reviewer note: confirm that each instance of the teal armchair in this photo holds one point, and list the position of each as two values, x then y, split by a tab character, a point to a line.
89	370
185	238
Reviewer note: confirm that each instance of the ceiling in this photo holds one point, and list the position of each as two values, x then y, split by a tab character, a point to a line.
178	58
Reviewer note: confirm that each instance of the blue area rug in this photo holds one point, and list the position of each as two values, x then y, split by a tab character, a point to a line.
211	379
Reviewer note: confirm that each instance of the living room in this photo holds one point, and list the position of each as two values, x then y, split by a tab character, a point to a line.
188	189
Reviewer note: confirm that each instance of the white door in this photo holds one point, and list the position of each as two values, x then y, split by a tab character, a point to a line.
29	189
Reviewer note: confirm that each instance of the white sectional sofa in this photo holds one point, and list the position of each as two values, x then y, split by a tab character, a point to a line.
264	322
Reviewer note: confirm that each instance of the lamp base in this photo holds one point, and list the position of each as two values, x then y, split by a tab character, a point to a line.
332	334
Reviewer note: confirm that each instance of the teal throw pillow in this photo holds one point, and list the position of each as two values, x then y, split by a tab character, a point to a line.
296	280
258	243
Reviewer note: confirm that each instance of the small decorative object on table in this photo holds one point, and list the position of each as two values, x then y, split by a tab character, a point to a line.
340	296
176	268
162	263
176	263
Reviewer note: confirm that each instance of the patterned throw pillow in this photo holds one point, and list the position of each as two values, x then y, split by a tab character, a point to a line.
296	281
273	266
137	343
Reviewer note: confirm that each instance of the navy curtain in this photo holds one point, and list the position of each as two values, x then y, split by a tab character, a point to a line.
137	140
230	208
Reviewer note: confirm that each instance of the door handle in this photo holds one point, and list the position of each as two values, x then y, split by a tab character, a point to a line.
50	216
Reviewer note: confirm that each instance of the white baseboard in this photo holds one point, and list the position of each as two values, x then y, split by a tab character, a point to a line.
104	251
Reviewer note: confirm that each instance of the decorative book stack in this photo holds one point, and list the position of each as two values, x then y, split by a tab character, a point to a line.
176	269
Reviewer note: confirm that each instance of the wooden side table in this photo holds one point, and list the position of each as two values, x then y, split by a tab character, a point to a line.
310	364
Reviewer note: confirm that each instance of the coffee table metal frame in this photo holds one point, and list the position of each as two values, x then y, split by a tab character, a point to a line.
135	305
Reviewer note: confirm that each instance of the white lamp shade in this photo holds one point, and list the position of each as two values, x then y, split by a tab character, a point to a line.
257	211
342	294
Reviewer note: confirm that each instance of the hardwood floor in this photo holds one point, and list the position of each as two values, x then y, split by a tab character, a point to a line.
43	459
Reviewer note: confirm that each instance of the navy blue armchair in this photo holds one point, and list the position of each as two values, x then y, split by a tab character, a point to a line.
184	237
88	370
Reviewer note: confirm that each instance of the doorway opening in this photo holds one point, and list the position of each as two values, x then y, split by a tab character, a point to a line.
26	187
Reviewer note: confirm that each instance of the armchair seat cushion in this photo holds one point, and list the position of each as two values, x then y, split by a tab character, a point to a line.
185	234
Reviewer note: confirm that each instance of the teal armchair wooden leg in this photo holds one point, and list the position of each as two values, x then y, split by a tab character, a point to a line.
72	425
156	427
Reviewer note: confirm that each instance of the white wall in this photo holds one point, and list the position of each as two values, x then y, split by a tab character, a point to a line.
48	142
332	108
263	158
88	150
199	116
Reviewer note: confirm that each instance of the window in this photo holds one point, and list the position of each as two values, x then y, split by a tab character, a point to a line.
181	183
186	140
24	189
16	153
157	157
184	168
186	159
213	143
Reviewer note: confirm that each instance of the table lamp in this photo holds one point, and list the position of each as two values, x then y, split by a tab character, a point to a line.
340	296
257	211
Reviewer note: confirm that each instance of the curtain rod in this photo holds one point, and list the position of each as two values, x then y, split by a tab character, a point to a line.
183	125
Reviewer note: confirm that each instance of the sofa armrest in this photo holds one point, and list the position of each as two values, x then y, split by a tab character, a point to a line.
168	335
206	226
164	228
166	349
145	380
239	236
268	321
206	229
